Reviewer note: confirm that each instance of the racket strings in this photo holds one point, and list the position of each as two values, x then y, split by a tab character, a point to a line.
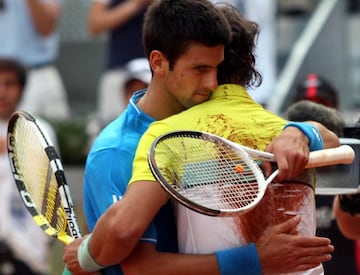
211	174
39	180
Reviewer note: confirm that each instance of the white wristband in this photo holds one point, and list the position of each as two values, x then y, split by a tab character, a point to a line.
86	261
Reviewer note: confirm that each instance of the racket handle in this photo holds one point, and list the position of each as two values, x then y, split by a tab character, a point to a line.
343	154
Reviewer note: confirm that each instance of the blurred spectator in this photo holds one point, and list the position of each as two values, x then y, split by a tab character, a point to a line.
347	206
347	211
353	6
24	247
296	7
317	89
327	116
122	19
317	100
138	76
28	31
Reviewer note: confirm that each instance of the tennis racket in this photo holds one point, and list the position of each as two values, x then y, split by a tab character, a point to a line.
217	177
40	178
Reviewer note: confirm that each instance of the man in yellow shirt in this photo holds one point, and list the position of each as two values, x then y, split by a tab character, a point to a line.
232	114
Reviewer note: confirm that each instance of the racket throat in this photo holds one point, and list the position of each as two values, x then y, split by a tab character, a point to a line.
272	177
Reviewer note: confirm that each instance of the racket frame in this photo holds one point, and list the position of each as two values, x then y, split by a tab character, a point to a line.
57	169
343	154
243	152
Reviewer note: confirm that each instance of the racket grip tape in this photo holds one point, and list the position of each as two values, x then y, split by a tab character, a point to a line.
343	154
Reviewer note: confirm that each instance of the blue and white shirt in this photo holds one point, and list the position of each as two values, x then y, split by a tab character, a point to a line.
19	38
109	168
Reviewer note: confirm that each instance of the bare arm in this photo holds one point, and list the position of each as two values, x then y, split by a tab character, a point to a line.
349	225
101	18
292	150
279	250
116	236
146	260
124	222
282	251
330	139
45	15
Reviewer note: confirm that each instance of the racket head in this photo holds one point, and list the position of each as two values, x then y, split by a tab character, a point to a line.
40	178
206	174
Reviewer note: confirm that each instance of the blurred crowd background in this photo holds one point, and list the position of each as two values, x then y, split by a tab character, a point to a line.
311	36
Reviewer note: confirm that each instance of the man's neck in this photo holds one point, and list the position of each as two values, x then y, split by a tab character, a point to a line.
158	105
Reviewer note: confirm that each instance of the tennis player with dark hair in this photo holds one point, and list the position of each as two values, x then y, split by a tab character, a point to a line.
184	42
115	236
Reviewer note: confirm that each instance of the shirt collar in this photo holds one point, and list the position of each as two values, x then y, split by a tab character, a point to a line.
230	90
135	98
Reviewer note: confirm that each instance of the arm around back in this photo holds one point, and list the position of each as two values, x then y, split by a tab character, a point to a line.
118	231
330	139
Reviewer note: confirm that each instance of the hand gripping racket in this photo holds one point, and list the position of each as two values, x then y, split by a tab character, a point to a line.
40	178
217	177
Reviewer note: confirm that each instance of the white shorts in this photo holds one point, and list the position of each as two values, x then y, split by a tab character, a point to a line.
111	102
45	94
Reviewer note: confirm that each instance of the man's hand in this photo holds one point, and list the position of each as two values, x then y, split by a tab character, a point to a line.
71	260
292	153
281	251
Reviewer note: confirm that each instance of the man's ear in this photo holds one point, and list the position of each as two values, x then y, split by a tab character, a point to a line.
158	62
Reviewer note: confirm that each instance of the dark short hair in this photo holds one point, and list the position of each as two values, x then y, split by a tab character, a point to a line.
170	26
238	66
10	65
304	110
